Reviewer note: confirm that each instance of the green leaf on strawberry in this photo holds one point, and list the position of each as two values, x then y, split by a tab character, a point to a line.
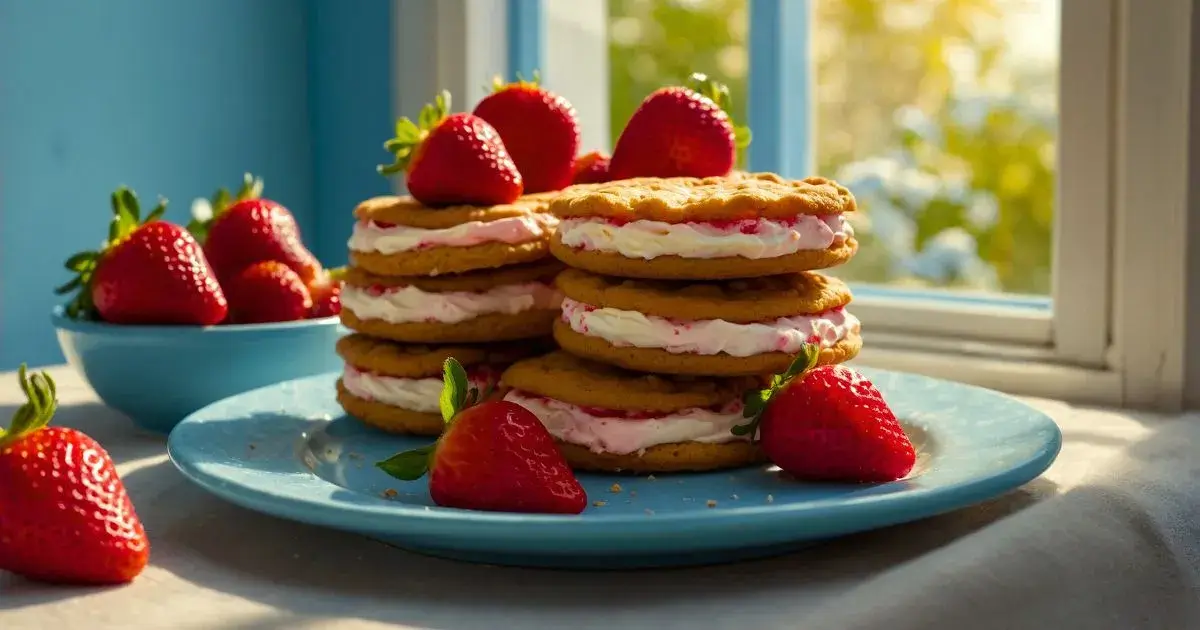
755	401
409	135
41	401
718	93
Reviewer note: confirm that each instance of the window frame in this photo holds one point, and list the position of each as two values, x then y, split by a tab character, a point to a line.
1122	181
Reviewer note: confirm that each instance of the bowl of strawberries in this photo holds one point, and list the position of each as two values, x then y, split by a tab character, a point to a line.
164	319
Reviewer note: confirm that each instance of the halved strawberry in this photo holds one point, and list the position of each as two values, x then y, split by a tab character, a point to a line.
539	128
493	455
453	159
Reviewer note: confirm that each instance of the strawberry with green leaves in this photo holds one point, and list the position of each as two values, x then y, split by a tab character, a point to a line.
64	514
539	128
680	131
453	159
244	229
493	455
149	271
828	423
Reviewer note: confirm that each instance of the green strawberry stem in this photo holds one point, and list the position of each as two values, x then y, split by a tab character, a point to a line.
337	274
41	401
719	93
457	395
410	135
252	188
755	401
126	218
499	84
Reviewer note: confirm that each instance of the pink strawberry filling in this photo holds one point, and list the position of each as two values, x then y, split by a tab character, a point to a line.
404	304
391	238
414	394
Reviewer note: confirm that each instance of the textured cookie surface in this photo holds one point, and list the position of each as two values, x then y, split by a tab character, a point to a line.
660	361
388	418
577	381
738	301
412	213
472	282
676	457
485	328
680	268
435	261
688	199
424	361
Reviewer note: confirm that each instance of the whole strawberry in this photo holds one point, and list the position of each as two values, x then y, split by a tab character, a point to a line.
679	132
539	128
64	514
267	291
245	229
591	168
828	423
327	294
147	272
494	456
453	159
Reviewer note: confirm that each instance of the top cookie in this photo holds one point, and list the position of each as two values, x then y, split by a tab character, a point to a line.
688	199
412	213
425	361
577	381
738	301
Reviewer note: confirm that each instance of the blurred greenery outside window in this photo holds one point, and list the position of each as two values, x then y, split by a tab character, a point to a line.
940	115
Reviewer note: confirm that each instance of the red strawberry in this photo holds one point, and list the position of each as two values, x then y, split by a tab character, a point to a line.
64	514
539	128
267	291
248	229
147	272
453	159
591	168
327	294
494	456
679	132
829	423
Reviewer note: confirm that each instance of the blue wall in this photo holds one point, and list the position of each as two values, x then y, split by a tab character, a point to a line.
176	98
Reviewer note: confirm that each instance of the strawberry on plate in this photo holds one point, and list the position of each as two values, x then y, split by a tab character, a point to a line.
828	423
680	131
493	455
267	291
64	514
149	271
245	229
453	159
539	128
591	168
326	294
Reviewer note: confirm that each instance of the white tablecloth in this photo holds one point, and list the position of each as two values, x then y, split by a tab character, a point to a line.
1108	538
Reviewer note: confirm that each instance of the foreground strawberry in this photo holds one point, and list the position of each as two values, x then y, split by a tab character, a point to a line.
267	291
147	272
245	229
680	132
591	168
64	514
494	456
327	294
828	423
539	128
452	159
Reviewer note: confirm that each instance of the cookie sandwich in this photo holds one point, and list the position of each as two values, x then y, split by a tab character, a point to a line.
716	328
395	387
612	420
741	226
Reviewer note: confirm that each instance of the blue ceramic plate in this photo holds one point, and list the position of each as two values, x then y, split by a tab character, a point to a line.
289	450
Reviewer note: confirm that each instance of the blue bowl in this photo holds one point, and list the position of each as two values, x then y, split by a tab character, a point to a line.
157	375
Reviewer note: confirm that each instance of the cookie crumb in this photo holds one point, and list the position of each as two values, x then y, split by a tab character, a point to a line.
633	493
649	512
711	503
599	503
734	497
615	488
253	446
390	493
650	478
770	498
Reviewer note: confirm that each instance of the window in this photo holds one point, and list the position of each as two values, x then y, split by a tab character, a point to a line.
1021	164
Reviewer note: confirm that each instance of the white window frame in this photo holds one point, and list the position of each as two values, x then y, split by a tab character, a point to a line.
1121	238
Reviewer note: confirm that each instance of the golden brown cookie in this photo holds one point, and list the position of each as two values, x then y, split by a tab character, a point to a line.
685	199
388	418
680	268
471	307
392	210
570	379
660	361
442	260
664	458
738	301
424	361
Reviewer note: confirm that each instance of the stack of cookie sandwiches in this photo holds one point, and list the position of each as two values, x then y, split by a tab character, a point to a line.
682	294
424	284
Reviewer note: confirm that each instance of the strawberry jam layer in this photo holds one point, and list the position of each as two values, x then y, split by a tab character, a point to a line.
623	432
390	238
413	394
747	238
709	336
402	305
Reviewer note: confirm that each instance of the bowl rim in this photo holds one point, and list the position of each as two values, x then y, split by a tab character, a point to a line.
58	317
